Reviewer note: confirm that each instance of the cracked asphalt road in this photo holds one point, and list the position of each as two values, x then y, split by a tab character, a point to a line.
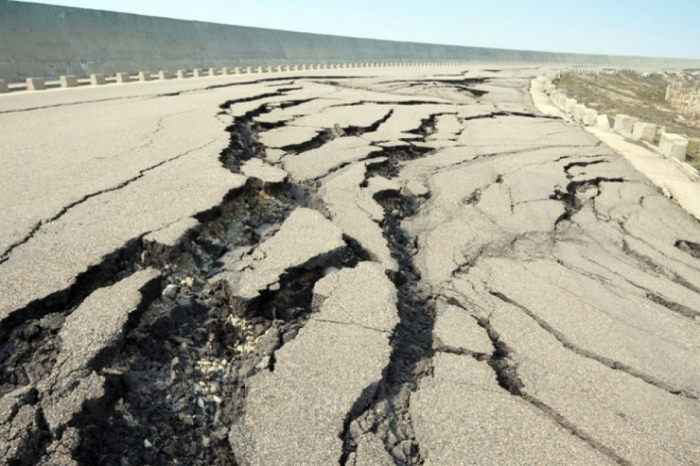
415	267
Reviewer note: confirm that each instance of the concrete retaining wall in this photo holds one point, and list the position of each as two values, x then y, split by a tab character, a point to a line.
49	41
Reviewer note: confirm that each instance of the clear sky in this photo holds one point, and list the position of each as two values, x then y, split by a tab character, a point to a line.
659	28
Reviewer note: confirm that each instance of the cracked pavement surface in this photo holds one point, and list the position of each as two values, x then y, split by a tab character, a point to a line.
414	268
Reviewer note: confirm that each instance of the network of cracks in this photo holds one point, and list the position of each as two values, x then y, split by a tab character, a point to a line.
175	378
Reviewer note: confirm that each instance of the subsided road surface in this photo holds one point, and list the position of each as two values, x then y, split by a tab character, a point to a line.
413	267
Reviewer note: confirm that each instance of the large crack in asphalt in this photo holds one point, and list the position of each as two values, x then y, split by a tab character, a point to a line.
178	379
690	248
183	368
4	255
571	195
384	404
391	159
386	415
28	335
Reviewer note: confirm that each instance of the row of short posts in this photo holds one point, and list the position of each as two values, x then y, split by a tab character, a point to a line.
670	145
97	79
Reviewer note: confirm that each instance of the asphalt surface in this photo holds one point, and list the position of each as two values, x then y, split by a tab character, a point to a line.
364	267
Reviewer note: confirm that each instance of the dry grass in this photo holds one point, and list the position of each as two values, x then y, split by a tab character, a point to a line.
694	149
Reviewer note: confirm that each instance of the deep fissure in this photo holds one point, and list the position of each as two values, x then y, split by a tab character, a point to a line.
387	415
570	197
200	329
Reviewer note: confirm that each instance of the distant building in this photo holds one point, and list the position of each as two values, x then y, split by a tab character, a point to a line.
684	95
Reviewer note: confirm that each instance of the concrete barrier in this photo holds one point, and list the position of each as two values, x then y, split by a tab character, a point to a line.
197	73
144	76
97	79
35	84
603	122
164	75
68	80
644	131
3	86
673	146
182	74
579	111
590	117
556	99
213	72
624	124
562	102
570	106
123	77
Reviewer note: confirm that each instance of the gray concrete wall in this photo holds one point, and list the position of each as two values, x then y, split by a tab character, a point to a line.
49	41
